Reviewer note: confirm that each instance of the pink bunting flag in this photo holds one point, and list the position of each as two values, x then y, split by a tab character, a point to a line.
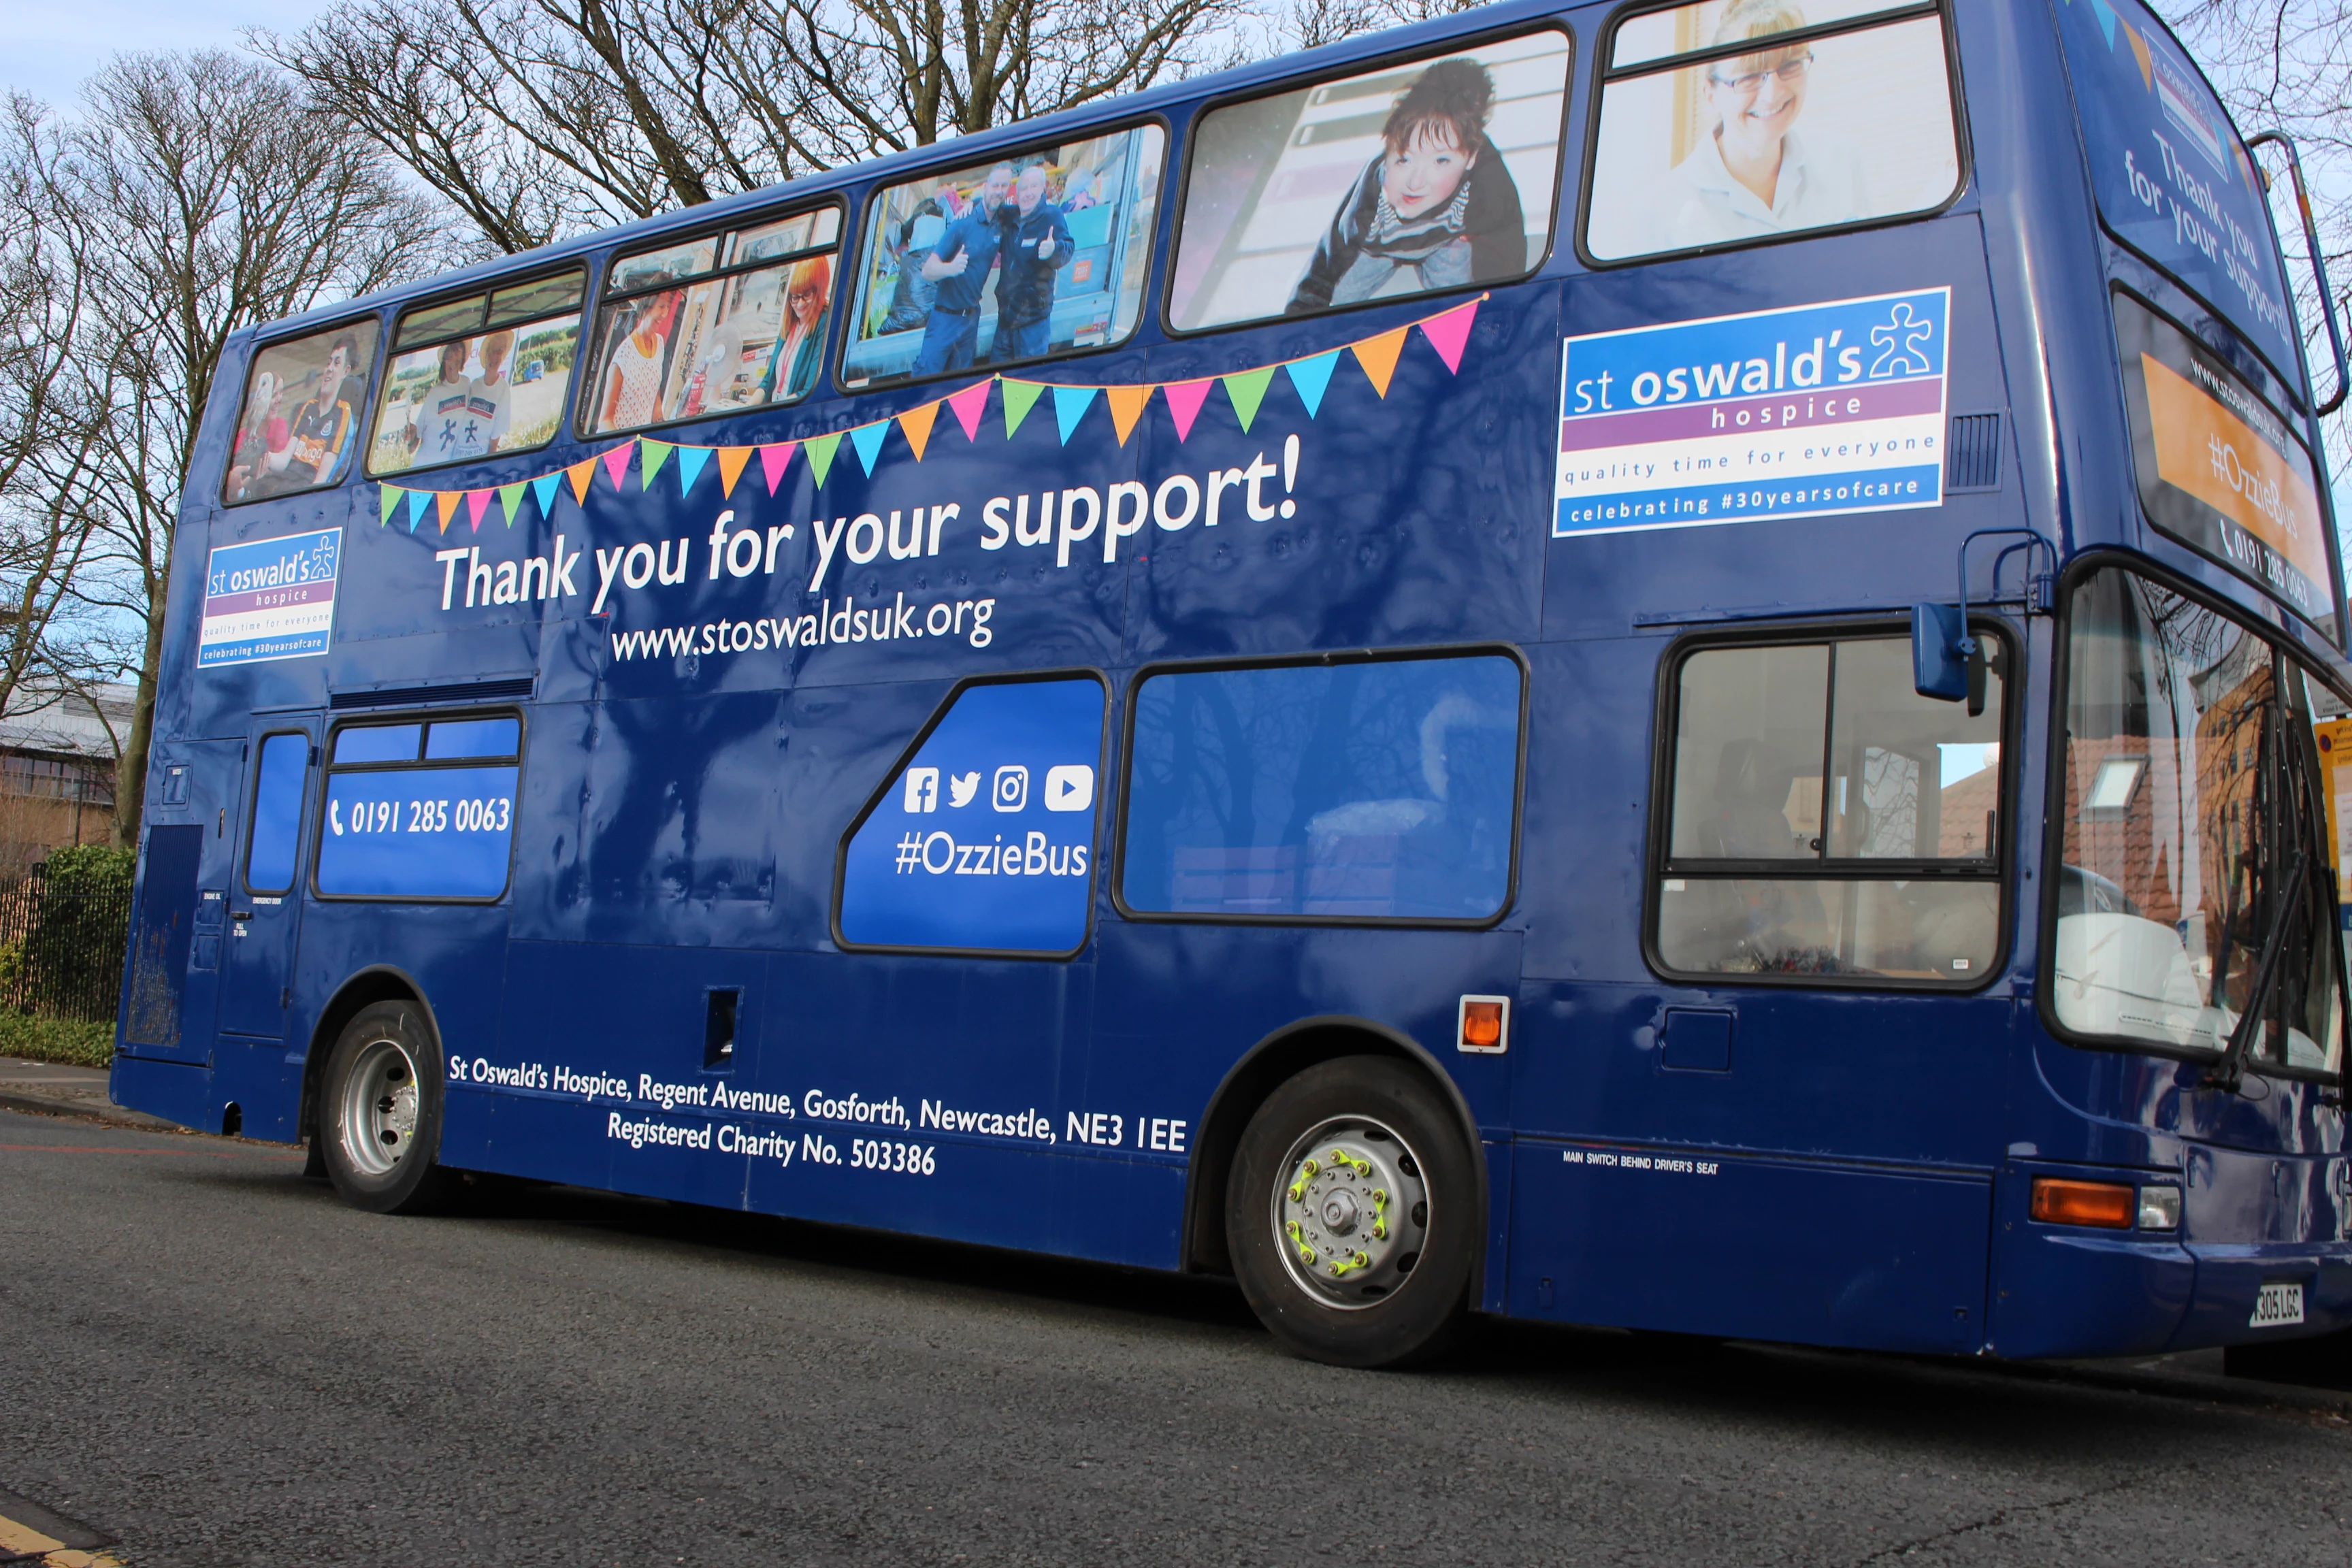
774	460
1450	332
616	461
1184	400
476	501
968	406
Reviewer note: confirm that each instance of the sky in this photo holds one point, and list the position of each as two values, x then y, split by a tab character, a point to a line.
54	44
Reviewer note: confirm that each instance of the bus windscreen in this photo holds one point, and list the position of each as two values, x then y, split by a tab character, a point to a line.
2173	181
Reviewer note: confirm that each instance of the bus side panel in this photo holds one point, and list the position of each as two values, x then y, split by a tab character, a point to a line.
1420	515
455	955
1780	1249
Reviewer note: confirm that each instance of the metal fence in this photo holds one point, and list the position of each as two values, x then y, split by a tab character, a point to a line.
61	948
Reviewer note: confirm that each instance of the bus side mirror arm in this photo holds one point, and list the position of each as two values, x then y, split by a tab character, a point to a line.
2318	261
1948	660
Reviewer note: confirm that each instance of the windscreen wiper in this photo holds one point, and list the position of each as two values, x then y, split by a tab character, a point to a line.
2229	1074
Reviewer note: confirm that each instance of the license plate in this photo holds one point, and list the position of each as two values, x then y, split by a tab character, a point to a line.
2277	1306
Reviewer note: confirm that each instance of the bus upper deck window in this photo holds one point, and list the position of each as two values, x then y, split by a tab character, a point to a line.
1733	120
714	324
1826	820
1044	251
299	428
1437	174
478	376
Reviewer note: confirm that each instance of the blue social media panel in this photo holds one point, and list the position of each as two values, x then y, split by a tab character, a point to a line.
417	833
984	840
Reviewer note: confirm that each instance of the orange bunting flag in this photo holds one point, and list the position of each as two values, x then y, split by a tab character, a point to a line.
731	467
916	423
1379	357
580	474
1127	405
446	501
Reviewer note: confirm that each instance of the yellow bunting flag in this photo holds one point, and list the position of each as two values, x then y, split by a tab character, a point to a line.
1379	357
446	503
916	423
731	467
1127	405
580	474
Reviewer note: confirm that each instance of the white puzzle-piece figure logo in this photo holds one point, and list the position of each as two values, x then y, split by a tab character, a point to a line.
1012	788
1070	787
922	790
1902	343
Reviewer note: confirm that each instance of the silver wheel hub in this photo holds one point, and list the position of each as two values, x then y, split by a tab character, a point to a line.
1350	1211
379	1107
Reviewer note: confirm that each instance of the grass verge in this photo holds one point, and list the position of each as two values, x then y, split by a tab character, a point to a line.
29	1038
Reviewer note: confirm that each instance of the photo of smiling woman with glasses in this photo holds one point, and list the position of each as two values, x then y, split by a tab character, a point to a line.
1736	121
1753	173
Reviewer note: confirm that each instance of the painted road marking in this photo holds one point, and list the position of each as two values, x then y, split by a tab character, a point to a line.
26	1545
104	1149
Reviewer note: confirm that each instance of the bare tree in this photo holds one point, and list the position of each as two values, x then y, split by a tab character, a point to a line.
2287	65
202	193
540	118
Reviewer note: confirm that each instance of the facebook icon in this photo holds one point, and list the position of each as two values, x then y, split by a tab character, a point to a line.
922	789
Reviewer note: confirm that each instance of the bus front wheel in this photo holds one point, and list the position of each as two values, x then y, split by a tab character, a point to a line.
380	1112
1352	1214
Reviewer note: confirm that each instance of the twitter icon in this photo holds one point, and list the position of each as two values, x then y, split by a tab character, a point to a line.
961	787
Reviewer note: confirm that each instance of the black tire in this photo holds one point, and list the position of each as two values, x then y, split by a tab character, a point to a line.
380	1112
1389	1285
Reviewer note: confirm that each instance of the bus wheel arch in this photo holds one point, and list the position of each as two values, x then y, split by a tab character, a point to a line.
1265	1068
377	982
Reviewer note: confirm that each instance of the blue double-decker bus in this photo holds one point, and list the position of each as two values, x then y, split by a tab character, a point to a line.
1669	666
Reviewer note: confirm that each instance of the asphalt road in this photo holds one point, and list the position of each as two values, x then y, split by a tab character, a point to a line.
214	1360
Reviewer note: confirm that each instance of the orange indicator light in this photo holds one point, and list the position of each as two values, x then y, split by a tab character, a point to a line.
2108	1205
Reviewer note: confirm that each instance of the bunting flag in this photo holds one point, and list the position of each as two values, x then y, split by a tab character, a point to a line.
1448	332
774	460
1379	357
968	406
1127	405
918	422
731	467
1312	377
1184	400
1070	406
1246	388
1020	398
616	463
820	454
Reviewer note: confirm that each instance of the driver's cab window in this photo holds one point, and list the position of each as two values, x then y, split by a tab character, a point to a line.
1826	820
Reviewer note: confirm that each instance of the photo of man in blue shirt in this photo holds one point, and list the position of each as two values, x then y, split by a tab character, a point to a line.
959	264
1036	245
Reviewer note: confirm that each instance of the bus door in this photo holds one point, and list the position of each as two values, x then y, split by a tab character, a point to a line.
265	914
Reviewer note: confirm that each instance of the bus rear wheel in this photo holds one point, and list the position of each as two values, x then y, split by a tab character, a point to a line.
380	1112
1350	1215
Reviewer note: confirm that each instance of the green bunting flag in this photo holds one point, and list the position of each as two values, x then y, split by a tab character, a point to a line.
510	499
1247	389
819	450
1020	398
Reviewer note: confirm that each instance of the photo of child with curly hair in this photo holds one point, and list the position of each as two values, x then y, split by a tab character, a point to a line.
1434	208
